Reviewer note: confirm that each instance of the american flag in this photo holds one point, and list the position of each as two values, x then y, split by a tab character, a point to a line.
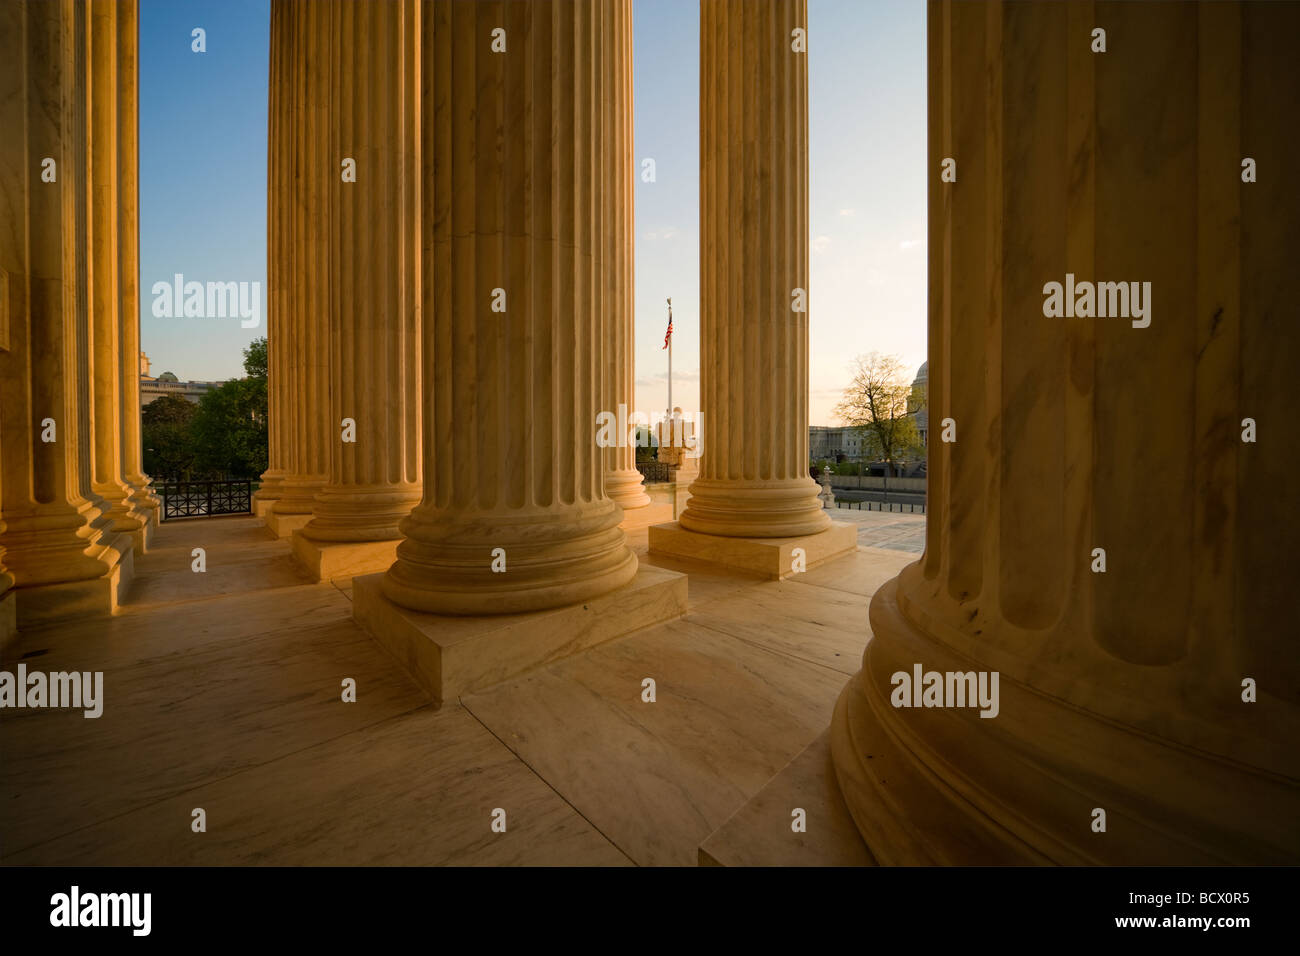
670	324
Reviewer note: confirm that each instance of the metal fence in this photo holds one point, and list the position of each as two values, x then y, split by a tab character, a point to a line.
205	499
901	507
653	471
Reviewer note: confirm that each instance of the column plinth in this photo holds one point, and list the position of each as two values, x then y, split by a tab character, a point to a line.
1139	625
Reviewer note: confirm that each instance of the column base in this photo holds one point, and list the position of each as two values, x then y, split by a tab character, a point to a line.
282	525
262	506
8	620
94	597
944	786
771	557
139	538
449	656
687	472
341	561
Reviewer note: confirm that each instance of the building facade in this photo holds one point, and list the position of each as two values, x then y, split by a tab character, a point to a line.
168	384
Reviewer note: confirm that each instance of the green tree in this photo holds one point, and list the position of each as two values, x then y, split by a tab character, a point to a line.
876	402
255	358
229	431
165	435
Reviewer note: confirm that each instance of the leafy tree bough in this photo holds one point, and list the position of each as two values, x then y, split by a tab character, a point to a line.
877	402
224	436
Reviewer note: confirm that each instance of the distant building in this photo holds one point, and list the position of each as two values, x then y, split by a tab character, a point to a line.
834	443
168	384
843	443
918	405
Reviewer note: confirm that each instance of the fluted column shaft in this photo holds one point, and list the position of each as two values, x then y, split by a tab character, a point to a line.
56	530
105	353
512	164
142	497
279	246
754	478
306	46
374	317
623	483
1122	688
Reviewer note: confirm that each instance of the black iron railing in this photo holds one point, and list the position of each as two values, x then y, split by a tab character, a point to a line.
653	471
204	499
901	507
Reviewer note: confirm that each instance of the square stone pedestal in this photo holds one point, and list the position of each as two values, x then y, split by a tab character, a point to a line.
341	560
284	525
771	557
449	656
96	597
262	506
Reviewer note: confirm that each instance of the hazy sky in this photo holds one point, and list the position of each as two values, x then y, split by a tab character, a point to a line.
203	184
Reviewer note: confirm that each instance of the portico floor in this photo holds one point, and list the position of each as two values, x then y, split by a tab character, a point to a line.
222	692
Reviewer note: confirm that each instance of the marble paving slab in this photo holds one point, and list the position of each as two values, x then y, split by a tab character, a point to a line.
761	833
417	789
815	624
861	572
176	721
658	778
140	633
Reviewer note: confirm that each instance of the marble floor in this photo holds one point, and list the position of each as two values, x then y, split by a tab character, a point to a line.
893	531
223	693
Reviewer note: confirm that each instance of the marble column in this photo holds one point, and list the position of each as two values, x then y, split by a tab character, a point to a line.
753	253
513	170
142	498
105	351
1123	687
374	311
623	482
305	45
753	480
61	550
279	246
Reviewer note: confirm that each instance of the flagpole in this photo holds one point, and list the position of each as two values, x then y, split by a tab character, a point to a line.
670	361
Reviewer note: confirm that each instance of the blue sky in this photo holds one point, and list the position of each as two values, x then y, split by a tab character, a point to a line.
203	183
202	172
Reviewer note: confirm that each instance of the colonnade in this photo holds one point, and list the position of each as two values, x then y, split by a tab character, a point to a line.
75	506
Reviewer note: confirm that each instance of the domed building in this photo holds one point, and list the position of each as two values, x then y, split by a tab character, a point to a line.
919	401
168	383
